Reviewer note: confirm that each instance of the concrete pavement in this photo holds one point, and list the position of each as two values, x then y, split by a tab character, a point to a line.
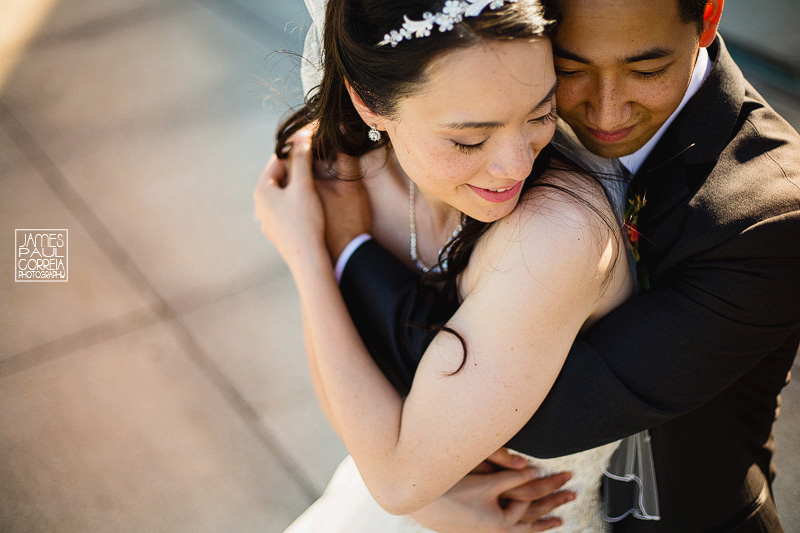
164	387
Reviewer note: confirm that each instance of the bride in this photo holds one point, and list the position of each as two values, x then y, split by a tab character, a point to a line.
450	108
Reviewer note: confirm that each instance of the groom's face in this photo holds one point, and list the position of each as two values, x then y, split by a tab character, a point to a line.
623	68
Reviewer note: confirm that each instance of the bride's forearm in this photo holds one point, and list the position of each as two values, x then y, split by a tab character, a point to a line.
361	403
316	380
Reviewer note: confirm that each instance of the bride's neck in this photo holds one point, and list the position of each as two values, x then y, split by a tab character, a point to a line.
432	213
441	217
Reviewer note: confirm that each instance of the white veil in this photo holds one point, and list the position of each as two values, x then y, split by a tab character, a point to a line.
311	66
631	466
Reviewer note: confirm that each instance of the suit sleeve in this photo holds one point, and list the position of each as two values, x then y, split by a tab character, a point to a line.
657	356
669	350
395	317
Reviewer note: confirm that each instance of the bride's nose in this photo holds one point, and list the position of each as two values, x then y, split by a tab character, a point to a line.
513	161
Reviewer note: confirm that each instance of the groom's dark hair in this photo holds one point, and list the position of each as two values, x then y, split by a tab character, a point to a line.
691	12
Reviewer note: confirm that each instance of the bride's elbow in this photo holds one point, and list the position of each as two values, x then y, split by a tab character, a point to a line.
398	497
398	505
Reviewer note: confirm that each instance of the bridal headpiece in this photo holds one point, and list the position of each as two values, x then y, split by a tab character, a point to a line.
452	13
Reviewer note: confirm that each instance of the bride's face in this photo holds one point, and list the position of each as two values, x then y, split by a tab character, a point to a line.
470	137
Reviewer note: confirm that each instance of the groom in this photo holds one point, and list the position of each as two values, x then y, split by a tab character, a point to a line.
700	356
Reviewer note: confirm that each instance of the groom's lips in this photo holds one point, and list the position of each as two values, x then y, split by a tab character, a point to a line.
611	136
498	197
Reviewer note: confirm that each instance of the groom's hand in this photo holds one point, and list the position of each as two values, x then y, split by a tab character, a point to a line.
502	494
346	205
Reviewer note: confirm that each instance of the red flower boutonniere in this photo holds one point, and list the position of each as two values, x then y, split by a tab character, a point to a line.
635	204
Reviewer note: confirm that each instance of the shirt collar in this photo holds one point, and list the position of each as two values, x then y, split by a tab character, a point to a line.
702	68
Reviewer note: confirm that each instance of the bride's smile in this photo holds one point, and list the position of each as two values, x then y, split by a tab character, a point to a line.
469	136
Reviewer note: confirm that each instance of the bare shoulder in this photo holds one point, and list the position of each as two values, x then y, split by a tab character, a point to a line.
563	232
567	195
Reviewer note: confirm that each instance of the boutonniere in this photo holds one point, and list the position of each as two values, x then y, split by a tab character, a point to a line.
631	217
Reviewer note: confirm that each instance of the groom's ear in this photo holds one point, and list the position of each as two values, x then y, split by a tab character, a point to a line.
711	18
369	117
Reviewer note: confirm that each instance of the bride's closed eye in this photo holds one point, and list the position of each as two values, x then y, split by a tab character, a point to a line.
549	118
544	120
469	148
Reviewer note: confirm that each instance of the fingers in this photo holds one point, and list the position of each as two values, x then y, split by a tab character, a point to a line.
505	459
545	506
539	525
514	512
274	172
300	160
506	481
538	488
485	468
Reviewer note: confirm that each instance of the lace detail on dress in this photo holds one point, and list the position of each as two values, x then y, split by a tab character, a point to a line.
348	507
585	514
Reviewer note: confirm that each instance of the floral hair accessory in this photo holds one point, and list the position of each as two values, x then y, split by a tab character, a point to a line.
452	13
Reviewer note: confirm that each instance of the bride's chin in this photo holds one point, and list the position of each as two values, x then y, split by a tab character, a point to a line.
495	214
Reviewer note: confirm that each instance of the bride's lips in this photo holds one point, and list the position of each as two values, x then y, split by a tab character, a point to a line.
611	136
498	197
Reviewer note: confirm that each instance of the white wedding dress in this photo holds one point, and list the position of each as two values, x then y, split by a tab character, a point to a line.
348	507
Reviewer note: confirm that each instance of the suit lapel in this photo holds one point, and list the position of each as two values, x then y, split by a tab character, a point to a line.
683	158
662	182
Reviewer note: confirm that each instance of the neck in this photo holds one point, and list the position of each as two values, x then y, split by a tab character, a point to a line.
442	218
437	219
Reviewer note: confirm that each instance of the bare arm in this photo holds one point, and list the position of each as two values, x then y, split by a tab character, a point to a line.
404	449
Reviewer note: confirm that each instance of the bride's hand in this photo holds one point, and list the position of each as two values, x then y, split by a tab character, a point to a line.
287	203
498	495
476	504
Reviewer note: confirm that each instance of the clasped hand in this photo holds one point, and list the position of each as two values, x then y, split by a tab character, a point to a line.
299	213
498	496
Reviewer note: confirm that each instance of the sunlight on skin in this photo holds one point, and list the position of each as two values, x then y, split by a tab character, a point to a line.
19	22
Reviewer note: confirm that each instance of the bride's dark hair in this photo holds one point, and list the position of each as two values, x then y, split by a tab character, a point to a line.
382	75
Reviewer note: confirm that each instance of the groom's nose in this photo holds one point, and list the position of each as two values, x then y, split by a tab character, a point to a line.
607	106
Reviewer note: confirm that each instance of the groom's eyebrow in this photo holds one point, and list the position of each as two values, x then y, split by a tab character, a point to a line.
495	125
657	52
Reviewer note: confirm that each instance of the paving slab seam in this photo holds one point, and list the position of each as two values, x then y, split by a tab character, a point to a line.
119	258
73	202
244	408
211	294
135	320
96	334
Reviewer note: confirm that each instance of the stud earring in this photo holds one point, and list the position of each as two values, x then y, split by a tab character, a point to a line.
374	135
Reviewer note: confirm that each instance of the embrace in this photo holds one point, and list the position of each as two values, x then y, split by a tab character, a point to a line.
547	255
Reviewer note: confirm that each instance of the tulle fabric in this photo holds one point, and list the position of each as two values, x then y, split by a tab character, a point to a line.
311	66
635	492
